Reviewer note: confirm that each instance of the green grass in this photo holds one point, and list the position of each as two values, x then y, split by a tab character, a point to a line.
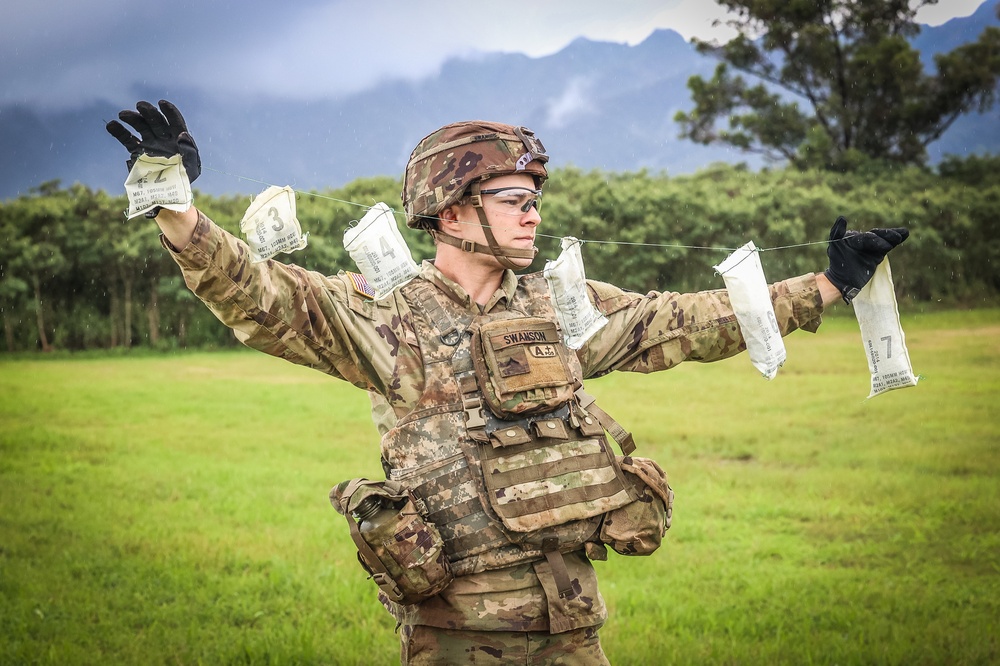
172	510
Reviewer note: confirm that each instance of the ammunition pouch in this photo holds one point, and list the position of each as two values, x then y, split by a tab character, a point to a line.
548	471
638	528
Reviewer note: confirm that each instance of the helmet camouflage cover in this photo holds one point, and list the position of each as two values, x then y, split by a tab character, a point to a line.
448	160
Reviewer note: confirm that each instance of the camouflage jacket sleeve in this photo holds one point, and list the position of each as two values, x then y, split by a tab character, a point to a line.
659	330
286	311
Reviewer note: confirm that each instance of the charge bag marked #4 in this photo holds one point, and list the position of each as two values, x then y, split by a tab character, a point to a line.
380	252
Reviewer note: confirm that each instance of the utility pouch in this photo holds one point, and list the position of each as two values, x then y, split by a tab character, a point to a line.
521	366
402	553
552	481
638	528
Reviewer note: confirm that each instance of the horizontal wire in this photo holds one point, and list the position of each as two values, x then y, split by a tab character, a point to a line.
638	244
582	240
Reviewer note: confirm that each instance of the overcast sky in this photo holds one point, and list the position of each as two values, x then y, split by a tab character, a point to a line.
67	52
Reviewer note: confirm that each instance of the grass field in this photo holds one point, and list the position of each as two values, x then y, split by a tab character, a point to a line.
172	510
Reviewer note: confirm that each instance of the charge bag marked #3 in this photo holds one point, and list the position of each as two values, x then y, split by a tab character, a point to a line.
270	224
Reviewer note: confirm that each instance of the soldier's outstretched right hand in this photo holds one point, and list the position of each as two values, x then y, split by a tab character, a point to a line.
162	133
854	255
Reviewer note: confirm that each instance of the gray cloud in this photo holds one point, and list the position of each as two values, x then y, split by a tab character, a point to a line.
68	53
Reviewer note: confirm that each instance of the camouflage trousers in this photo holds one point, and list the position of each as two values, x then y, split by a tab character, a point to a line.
429	645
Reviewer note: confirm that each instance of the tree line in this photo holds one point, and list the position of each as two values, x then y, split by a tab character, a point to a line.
75	274
836	92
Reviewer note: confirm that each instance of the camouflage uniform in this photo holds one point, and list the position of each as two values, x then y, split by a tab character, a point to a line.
423	645
326	323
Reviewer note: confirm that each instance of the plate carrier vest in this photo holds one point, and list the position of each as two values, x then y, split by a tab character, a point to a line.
503	491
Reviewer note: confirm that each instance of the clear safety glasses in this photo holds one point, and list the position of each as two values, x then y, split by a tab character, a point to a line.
512	200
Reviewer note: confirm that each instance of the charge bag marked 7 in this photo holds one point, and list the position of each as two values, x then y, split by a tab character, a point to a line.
157	181
885	345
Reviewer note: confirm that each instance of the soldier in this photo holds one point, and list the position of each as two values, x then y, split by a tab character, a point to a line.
487	433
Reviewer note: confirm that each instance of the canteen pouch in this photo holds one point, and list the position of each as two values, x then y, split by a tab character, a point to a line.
638	527
408	563
521	366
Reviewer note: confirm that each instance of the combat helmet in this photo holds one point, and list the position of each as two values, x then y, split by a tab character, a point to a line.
453	161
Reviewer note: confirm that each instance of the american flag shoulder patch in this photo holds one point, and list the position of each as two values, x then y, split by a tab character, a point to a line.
361	284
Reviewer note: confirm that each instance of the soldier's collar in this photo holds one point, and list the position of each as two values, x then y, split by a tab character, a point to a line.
451	289
455	291
508	285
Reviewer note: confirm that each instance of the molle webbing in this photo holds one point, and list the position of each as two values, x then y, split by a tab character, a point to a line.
450	487
543	470
498	502
546	482
451	495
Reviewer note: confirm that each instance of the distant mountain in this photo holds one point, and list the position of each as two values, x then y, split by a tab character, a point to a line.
954	33
595	105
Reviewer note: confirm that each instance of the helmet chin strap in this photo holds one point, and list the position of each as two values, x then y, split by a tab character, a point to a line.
502	254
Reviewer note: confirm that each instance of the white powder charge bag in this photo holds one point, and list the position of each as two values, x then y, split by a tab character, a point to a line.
751	301
380	252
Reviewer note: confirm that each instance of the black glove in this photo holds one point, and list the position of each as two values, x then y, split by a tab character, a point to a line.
855	254
161	135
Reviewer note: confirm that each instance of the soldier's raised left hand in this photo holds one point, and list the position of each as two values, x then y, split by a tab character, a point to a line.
162	133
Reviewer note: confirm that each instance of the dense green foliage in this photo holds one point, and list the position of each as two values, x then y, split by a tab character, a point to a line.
174	510
863	91
75	274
